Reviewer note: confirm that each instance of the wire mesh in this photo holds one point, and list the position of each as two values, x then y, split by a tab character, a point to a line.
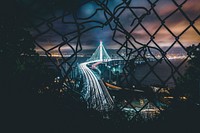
45	15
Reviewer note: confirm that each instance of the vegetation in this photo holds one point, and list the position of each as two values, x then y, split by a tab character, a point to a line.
189	84
31	101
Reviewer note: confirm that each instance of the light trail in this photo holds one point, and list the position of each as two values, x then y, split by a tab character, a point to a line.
96	93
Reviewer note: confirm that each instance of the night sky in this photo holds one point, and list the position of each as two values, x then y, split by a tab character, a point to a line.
177	23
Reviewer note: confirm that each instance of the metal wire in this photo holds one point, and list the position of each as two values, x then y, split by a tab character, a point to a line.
72	38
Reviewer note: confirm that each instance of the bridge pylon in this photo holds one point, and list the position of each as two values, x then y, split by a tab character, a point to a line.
100	54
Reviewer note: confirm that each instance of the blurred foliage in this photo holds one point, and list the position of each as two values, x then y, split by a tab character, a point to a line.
31	96
21	67
189	84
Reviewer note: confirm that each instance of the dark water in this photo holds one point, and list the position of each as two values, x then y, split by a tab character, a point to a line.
161	70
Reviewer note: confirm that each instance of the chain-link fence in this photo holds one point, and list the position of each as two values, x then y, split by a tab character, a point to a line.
151	30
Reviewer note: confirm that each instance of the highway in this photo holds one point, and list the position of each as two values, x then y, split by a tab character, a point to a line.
95	92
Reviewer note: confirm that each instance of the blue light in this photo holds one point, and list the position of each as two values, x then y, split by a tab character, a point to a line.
87	9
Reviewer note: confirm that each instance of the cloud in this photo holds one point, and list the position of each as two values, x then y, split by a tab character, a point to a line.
177	23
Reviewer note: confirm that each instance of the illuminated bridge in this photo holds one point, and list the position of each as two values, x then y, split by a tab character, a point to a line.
94	90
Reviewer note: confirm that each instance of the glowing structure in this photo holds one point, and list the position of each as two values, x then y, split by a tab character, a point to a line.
95	91
100	54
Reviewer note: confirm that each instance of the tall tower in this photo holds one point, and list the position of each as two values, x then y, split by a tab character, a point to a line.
100	54
101	50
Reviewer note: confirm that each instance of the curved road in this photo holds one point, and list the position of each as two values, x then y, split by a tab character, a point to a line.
96	93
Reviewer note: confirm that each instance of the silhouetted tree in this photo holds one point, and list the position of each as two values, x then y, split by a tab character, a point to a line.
23	74
21	67
189	85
